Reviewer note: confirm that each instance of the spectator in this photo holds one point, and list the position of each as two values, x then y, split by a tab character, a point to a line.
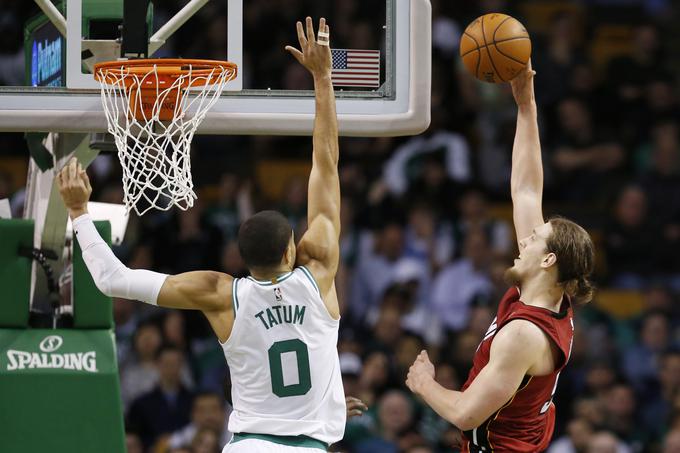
445	31
231	262
662	183
606	442
375	269
174	328
233	205
167	406
405	353
208	413
294	205
420	449
659	298
579	433
133	444
126	321
393	424
188	243
585	159
671	442
621	416
350	368
661	396
387	329
139	374
661	101
426	239
640	361
599	378
410	294
589	409
628	75
556	61
462	353
456	286
631	240
410	163
205	441
474	215
375	376
436	430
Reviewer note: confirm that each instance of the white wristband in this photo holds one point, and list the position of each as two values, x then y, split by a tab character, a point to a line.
85	231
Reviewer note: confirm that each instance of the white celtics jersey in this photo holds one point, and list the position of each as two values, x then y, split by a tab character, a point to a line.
283	359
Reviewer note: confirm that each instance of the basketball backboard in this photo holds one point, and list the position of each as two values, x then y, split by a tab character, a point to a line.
61	95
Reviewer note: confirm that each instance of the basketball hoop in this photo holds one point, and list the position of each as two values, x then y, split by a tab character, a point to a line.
153	108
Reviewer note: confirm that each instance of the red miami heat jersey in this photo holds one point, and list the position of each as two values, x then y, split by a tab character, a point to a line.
526	422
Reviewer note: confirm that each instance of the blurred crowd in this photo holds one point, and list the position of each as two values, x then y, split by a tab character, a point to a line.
426	226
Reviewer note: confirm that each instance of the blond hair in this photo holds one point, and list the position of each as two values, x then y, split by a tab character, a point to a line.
575	258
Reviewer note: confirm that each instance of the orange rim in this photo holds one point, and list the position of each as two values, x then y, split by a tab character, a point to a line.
167	74
168	70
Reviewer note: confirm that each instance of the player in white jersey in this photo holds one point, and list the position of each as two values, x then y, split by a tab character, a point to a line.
278	327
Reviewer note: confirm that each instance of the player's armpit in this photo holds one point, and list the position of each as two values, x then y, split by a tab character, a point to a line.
319	251
201	290
207	291
515	352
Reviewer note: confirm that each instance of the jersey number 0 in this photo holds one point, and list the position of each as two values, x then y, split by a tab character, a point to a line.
276	368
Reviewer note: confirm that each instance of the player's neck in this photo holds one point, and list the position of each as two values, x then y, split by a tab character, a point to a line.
541	291
269	274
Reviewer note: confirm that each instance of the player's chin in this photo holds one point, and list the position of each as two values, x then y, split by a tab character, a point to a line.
512	276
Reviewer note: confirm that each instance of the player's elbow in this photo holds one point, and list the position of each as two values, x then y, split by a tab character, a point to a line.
104	287
464	419
113	284
525	188
465	424
526	194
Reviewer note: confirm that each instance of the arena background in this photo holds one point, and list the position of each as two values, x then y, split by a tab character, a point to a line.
427	229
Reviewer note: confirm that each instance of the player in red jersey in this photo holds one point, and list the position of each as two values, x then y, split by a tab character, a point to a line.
506	403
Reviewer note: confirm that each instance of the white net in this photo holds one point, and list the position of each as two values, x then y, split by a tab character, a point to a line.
153	128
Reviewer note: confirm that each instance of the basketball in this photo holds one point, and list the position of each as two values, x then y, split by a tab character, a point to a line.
495	47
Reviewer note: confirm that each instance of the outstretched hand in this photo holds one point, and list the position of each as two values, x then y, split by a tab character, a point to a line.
523	86
355	407
74	187
315	55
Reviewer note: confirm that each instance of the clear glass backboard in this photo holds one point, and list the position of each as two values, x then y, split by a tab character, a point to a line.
272	94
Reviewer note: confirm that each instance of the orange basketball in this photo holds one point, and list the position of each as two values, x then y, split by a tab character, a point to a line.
495	47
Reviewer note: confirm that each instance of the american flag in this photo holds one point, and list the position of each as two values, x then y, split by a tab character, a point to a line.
356	68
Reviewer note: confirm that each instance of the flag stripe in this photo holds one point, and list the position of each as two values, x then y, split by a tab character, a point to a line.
354	78
375	73
367	85
356	67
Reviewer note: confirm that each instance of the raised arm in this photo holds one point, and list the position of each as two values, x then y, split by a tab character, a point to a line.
526	183
206	291
318	248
